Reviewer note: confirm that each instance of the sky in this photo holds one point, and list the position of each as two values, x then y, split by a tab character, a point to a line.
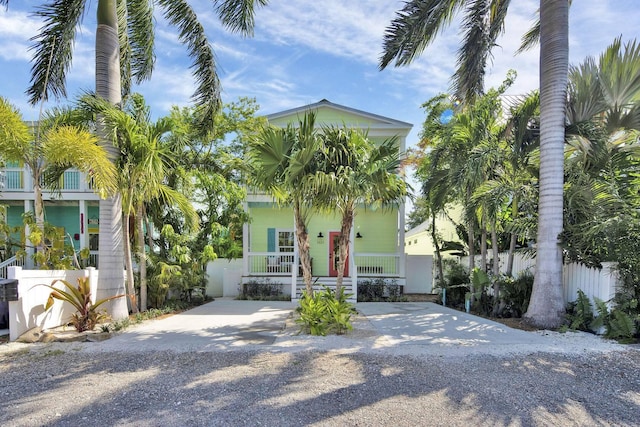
303	51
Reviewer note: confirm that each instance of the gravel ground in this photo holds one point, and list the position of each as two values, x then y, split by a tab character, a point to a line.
71	385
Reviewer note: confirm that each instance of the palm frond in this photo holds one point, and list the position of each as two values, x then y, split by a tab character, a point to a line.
15	137
122	13
141	38
192	34
530	39
414	27
238	15
482	24
53	48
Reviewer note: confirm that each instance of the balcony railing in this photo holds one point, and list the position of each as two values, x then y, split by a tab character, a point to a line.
19	179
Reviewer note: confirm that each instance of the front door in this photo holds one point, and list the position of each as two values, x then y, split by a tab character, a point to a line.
334	251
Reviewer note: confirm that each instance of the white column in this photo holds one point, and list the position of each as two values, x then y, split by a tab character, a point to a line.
28	262
400	244
245	243
82	208
294	267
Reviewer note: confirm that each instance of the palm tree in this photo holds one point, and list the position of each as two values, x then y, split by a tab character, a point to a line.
143	166
353	171
417	25
283	161
51	147
124	51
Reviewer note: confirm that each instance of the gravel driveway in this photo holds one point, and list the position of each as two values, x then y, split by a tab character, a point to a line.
320	382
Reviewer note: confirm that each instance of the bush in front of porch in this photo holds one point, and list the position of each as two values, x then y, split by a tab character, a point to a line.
262	290
377	290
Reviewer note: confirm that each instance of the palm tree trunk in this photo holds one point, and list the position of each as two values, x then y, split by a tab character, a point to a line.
436	245
546	308
303	248
495	269
483	246
513	241
343	245
131	289
142	256
111	254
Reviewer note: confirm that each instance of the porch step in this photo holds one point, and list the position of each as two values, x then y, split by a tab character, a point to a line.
347	285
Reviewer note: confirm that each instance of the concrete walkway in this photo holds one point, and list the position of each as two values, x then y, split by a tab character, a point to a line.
407	328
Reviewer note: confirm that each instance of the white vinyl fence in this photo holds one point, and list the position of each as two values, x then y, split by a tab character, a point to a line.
596	283
28	312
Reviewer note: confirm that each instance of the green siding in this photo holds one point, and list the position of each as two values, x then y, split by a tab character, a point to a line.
326	115
379	229
67	217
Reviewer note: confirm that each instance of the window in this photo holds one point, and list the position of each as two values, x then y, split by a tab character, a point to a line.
285	241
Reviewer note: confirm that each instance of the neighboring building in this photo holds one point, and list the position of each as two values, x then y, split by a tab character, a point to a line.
75	210
376	248
418	241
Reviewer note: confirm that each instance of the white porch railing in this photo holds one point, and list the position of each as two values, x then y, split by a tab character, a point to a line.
19	179
11	262
377	265
270	263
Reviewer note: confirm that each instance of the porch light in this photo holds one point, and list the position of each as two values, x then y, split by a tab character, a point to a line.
320	235
358	235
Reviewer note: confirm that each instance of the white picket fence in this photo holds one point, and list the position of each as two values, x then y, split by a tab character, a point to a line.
596	283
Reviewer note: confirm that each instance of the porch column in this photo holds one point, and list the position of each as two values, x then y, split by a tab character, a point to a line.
294	267
353	269
400	243
28	262
245	243
82	208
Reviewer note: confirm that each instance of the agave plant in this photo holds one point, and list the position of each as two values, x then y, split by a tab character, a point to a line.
87	315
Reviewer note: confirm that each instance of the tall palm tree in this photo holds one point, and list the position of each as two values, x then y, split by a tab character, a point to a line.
124	51
352	171
417	25
283	161
142	168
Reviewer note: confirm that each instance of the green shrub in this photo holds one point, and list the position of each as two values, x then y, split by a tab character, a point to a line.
263	290
323	313
579	315
516	293
373	290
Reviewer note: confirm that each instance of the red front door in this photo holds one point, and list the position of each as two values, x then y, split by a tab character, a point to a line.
334	250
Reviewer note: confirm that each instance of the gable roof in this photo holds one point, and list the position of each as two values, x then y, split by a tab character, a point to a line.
329	113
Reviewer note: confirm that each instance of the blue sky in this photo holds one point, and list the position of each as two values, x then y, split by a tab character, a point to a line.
307	50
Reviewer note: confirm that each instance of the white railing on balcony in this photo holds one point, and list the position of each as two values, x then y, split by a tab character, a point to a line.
19	179
377	265
270	263
11	262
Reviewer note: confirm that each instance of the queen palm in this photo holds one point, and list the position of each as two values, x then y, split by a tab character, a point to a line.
417	25
124	52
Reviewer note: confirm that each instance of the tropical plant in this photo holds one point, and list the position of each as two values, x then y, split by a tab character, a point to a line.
142	167
352	170
125	52
87	314
417	25
325	312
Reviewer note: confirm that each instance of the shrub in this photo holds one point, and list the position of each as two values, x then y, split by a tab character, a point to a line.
263	290
323	313
516	293
372	290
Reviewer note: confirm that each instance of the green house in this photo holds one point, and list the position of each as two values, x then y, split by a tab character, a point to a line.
377	242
